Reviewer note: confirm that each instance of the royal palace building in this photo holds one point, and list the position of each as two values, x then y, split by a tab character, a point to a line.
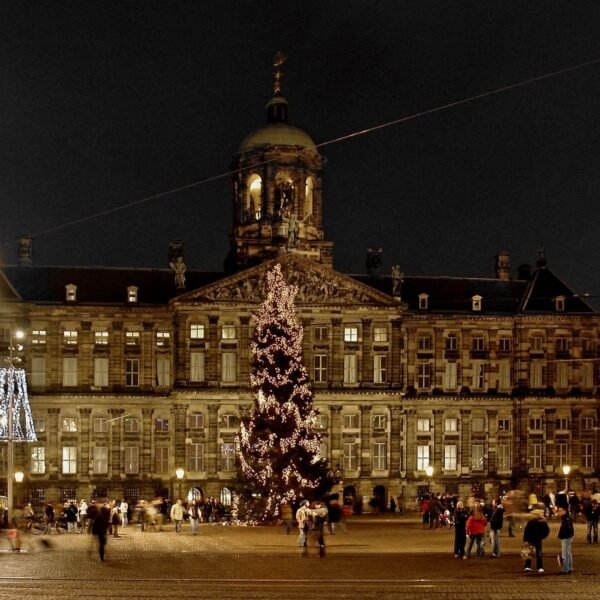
135	373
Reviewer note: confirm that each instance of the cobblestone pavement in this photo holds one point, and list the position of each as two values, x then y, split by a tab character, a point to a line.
376	558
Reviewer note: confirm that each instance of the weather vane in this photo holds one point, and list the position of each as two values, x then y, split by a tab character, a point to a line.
278	60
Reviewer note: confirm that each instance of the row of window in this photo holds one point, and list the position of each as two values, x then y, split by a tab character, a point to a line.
351	454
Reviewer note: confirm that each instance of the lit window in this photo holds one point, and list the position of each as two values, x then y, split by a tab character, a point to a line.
254	198
350	362
69	460
163	372
101	338
70	337
350	456
535	456
587	455
227	456
71	292
503	424
504	376
196	421
351	334
424	375
196	331
422	457
476	303
423	425
229	421
132	294
37	374
451	425
39	424
562	454
161	425
100	425
132	460
478	376
379	456
197	361
228	367
504	457
163	338
38	337
196	457
536	375
132	338
228	332
100	460
380	334
478	424
69	424
161	459
132	425
38	460
451	376
380	368
450	457
477	457
101	366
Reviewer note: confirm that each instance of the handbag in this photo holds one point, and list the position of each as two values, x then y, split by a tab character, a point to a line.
527	551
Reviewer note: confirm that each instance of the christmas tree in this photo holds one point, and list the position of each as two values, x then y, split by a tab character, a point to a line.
278	450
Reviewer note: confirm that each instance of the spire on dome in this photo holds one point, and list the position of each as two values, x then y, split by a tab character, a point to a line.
278	60
277	107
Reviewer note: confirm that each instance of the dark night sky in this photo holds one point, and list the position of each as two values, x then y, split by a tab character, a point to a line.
105	103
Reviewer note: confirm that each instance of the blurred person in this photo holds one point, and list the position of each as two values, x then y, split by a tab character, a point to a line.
535	532
286	516
460	530
565	535
302	517
177	515
100	527
475	530
195	515
496	523
591	511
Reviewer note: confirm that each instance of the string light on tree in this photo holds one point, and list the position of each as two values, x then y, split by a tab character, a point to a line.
278	449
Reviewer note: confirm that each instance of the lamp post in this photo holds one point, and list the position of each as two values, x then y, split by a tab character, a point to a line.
180	474
566	470
12	359
429	473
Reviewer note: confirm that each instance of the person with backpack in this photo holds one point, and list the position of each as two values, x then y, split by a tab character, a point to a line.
565	535
535	532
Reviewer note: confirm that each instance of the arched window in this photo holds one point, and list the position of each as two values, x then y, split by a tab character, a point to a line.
254	197
283	194
308	197
225	497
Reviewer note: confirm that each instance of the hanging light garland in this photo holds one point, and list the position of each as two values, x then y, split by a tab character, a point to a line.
13	392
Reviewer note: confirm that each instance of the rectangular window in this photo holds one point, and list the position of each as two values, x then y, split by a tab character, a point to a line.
379	421
196	331
321	333
350	361
423	425
425	342
450	457
535	424
423	375
587	375
380	334
100	425
478	376
197	421
132	425
132	372
69	372
535	456
422	457
478	424
537	343
132	338
504	379
38	460
196	457
535	375
503	424
350	456
451	425
562	375
100	464
504	461
562	344
350	421
69	424
132	460
320	368
161	459
380	368
37	375
197	361
505	344
228	367
478	343
101	372
163	372
229	421
163	339
69	460
562	424
227	456
38	337
228	332
101	338
351	334
587	423
70	338
562	454
161	425
39	423
321	423
451	376
587	455
452	342
477	457
379	456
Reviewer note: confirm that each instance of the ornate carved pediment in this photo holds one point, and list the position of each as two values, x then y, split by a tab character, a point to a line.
316	283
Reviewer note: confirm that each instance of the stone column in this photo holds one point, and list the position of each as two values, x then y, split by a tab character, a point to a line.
54	357
365	440
116	358
179	418
85	366
438	364
438	440
410	357
148	358
411	442
180	350
53	449
492	442
336	434
85	436
115	436
147	436
212	354
550	429
337	355
213	445
465	438
575	439
394	440
244	352
395	365
366	377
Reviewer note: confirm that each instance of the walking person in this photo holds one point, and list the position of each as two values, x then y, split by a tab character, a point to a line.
72	515
475	530
194	514
115	519
48	518
460	530
302	517
177	515
565	535
286	516
591	511
535	532
496	523
319	515
124	508
100	527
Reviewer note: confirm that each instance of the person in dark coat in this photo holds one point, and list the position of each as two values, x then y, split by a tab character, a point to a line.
496	523
535	532
565	535
460	530
100	527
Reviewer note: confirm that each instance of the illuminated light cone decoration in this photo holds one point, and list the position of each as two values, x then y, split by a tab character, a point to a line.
13	392
278	449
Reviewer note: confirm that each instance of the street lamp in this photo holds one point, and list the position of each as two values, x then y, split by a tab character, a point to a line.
429	473
566	470
180	474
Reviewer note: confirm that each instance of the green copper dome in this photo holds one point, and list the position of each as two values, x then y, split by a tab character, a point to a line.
276	134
